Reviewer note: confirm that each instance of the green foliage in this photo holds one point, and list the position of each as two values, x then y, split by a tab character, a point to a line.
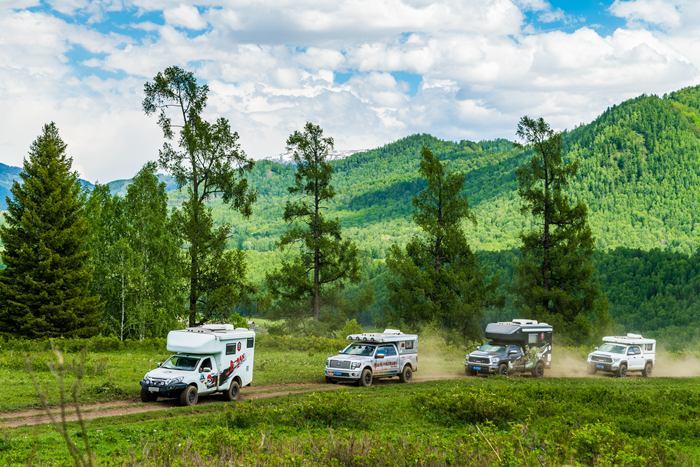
44	288
313	279
134	256
210	164
437	278
351	327
554	275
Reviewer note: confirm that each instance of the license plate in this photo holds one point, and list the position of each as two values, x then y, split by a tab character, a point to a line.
153	389
477	368
599	366
337	373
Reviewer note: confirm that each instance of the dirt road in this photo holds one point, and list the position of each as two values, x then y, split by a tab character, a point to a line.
131	406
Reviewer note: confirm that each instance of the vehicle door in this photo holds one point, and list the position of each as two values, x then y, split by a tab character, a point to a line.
207	376
392	359
631	359
515	356
638	358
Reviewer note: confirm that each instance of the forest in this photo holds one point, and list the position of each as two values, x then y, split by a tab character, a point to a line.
638	174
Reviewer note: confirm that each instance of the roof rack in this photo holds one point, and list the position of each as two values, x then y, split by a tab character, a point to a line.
389	335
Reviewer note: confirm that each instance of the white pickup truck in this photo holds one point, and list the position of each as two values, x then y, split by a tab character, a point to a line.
209	359
622	354
373	356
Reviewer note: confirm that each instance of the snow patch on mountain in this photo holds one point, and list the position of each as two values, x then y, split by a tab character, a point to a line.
288	157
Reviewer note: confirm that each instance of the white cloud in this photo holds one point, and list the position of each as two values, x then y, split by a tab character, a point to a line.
663	13
185	16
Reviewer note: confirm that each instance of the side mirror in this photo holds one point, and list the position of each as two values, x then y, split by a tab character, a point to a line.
340	351
159	364
380	356
512	351
206	370
596	348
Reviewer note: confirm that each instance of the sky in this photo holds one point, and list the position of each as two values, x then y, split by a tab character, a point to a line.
368	71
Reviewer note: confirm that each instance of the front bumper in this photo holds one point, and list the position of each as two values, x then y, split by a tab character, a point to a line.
171	390
343	374
481	368
600	366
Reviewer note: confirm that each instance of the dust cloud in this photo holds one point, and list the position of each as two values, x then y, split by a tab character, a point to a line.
676	365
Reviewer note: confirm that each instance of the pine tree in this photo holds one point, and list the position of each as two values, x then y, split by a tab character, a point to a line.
437	278
44	290
313	279
554	276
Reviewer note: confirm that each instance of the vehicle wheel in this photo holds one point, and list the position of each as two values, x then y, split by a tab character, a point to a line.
470	372
233	391
147	396
406	375
591	370
622	372
366	378
189	396
538	372
647	370
503	369
328	380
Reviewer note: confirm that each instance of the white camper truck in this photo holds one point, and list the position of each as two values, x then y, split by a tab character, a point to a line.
209	359
622	354
374	356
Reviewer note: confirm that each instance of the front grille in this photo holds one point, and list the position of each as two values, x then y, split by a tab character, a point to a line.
596	358
340	364
478	360
156	382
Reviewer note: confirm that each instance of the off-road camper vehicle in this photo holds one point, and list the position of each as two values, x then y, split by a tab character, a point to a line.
375	355
519	346
209	359
622	354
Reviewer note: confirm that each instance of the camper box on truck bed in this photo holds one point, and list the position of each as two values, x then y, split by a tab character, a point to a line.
209	359
518	346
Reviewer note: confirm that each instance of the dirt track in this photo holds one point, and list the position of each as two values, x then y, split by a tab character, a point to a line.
131	406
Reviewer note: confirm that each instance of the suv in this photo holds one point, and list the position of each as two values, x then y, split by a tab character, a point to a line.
374	356
520	346
622	354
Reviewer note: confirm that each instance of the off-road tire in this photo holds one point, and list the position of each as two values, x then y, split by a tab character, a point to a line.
538	372
233	392
365	378
647	370
189	396
470	372
591	370
407	374
147	396
622	372
328	380
502	369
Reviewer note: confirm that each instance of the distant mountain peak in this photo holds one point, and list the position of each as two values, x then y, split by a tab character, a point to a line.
288	157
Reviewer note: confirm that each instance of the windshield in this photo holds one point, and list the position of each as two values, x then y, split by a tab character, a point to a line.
178	362
612	348
359	349
493	347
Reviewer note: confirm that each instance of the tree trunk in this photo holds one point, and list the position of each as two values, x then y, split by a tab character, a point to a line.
317	265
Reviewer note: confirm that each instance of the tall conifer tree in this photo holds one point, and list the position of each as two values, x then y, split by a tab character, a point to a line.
44	290
437	278
326	261
554	276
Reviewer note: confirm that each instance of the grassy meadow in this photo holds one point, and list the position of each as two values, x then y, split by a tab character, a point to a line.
471	421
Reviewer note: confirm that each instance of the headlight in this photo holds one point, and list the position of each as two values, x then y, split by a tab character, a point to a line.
494	359
354	365
174	380
616	359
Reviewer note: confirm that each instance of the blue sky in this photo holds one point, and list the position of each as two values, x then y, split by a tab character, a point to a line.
368	71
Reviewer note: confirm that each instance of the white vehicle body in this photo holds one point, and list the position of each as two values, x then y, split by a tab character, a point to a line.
374	355
622	354
209	359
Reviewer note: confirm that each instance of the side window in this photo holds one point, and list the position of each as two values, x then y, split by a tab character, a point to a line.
649	347
637	351
251	342
390	351
206	363
381	351
630	351
532	338
231	349
409	345
513	348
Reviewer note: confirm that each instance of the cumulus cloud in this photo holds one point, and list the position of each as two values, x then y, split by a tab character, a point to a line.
272	65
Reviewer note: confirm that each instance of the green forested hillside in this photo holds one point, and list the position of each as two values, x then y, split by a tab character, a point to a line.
639	175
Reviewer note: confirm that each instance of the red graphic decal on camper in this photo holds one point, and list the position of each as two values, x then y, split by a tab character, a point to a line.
226	374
